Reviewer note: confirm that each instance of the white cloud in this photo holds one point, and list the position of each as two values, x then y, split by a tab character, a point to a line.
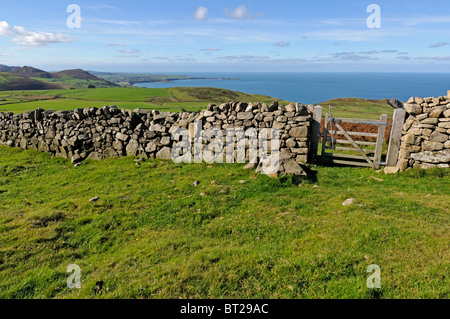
130	51
439	44
27	38
283	44
5	29
369	52
241	13
211	49
128	56
109	21
435	58
351	56
345	35
102	7
332	22
201	13
116	45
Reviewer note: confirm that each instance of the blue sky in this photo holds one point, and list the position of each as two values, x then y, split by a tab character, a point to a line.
253	35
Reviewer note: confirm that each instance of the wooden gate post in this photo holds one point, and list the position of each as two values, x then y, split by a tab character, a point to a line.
395	138
380	141
315	132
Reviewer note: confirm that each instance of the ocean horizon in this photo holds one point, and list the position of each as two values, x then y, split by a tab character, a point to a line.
317	87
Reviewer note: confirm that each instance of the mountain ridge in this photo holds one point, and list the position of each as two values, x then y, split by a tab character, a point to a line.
29	78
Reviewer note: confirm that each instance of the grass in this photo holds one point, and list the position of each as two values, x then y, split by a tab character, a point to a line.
68	82
173	99
152	235
357	108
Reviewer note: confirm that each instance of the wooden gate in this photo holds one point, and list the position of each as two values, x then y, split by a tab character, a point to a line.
339	145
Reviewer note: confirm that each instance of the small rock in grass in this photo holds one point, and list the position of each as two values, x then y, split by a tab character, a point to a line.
348	202
391	170
94	199
242	181
202	194
196	183
213	183
250	166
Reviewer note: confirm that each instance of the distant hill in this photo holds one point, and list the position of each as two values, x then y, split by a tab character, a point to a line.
12	82
30	78
76	73
27	71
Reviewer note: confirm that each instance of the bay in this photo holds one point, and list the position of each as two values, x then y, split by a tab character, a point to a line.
313	88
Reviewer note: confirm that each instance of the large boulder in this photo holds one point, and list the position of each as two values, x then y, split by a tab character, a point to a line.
282	167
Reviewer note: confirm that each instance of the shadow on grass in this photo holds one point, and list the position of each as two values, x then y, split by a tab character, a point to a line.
375	294
310	177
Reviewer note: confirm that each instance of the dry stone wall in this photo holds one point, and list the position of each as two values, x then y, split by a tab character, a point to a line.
97	133
426	133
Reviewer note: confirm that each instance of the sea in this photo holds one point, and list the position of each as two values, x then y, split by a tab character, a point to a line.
314	88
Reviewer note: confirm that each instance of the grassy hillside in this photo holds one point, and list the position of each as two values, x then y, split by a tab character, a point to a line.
152	234
9	81
173	99
29	78
69	82
357	108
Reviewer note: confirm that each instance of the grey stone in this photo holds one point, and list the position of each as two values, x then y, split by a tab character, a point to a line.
273	107
301	131
348	202
412	108
250	166
432	146
445	125
245	116
438	137
291	167
391	170
433	157
94	199
430	121
109	152
396	104
290	108
122	137
165	153
132	148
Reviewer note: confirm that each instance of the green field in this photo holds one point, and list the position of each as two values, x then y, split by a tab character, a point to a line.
173	99
357	108
236	235
69	82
